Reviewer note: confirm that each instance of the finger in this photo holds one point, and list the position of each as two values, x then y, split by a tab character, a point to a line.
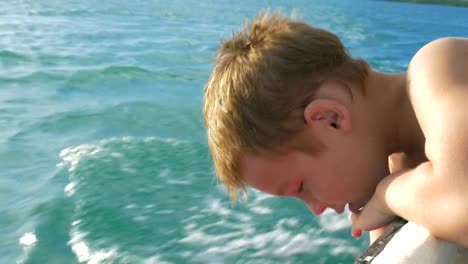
401	161
372	218
398	161
356	231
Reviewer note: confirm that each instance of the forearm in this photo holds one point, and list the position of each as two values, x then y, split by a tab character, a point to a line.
375	234
429	200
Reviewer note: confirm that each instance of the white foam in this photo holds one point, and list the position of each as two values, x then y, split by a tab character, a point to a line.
70	189
330	221
164	212
140	218
341	250
84	253
165	173
130	206
129	170
72	156
283	240
155	260
261	210
28	239
116	155
179	182
288	222
215	207
244	217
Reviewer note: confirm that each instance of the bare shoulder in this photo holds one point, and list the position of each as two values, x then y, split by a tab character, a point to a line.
438	89
441	65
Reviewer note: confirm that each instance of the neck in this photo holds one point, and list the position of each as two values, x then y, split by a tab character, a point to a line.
395	115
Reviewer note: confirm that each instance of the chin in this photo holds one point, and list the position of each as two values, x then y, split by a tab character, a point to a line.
367	195
355	207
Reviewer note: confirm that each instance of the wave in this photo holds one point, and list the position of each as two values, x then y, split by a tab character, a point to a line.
130	118
291	235
102	77
128	192
6	55
125	72
126	75
38	77
84	78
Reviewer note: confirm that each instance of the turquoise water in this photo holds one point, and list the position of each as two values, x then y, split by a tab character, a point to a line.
103	157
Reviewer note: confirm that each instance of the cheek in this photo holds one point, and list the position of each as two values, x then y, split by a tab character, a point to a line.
341	185
264	184
326	188
363	177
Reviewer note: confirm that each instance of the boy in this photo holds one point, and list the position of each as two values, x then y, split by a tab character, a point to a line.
289	112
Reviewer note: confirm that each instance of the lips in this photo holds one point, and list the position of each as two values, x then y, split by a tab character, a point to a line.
354	208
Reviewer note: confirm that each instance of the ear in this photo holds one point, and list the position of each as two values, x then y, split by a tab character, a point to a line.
328	113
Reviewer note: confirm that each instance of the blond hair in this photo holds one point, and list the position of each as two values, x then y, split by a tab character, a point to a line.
264	77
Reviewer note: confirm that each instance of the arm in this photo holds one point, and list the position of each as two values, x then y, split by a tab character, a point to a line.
438	188
435	193
396	162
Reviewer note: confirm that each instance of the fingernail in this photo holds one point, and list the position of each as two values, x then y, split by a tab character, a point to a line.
357	233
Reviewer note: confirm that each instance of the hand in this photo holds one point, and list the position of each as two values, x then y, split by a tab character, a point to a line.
376	213
373	216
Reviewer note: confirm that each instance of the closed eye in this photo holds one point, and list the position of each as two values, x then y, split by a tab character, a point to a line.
300	189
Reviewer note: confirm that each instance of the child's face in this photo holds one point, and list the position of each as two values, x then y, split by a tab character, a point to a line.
332	179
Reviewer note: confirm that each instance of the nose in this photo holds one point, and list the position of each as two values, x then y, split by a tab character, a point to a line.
338	209
317	208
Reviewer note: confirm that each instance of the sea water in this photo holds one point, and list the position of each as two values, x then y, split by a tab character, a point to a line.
103	156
